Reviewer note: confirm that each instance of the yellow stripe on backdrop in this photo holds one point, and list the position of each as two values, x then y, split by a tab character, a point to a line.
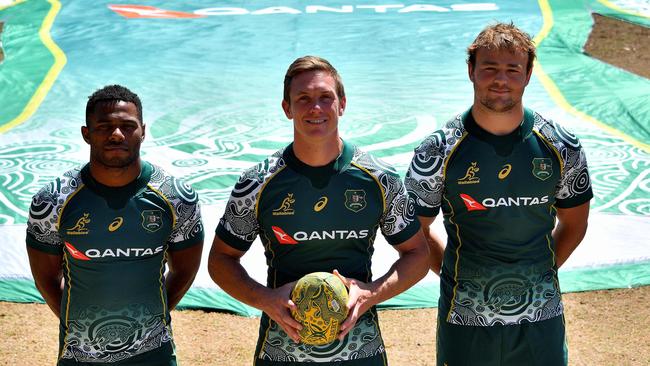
556	94
610	5
52	74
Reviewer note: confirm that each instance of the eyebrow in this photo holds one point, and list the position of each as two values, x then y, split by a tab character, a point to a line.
492	63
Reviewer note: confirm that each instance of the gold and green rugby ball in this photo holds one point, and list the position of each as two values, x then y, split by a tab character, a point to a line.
321	299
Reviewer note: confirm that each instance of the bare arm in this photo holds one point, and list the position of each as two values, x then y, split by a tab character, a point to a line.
182	267
435	243
226	270
48	277
569	231
405	272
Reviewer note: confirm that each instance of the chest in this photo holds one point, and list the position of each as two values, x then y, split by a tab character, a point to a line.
477	177
292	210
94	228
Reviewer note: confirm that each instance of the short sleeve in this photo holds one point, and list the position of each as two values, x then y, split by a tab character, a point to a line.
42	233
398	223
424	179
574	187
239	226
188	228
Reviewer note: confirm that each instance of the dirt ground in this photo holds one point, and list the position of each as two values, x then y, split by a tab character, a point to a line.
603	327
620	43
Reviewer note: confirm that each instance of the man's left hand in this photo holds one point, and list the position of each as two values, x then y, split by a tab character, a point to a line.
360	300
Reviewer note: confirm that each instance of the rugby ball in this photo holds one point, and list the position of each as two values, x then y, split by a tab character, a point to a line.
320	299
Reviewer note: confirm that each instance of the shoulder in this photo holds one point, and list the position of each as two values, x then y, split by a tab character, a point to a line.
254	178
56	192
372	164
555	134
442	139
171	187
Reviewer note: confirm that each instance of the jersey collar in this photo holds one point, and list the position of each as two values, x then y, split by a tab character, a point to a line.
117	193
320	174
503	143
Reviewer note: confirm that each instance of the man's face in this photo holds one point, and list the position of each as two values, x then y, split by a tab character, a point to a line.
315	107
114	133
499	78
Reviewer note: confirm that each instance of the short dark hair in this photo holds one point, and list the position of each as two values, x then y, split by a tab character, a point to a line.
502	36
311	63
112	93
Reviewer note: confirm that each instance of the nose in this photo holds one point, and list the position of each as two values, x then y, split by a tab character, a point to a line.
315	106
501	77
117	135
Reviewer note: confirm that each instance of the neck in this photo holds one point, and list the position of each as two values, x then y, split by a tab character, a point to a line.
115	177
498	123
318	154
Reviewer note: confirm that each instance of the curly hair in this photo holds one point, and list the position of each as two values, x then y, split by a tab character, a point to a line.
502	36
111	93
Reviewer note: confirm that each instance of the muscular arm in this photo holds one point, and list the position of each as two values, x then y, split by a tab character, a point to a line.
226	270
182	267
48	277
405	272
435	243
569	231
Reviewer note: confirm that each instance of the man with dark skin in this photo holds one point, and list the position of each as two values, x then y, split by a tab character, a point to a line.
100	237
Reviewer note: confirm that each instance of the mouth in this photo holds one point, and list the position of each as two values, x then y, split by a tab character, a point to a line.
116	148
316	121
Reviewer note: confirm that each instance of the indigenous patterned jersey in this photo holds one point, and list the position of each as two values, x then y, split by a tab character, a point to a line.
499	196
313	219
114	243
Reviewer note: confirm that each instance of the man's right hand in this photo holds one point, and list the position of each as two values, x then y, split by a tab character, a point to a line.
279	306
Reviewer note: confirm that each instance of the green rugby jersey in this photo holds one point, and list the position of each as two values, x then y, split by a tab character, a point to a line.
499	196
114	243
313	219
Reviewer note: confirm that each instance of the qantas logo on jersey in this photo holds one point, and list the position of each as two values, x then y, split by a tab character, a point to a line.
298	236
474	205
114	253
471	204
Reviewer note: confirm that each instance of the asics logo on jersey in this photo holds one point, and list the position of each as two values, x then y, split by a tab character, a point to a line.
505	171
79	227
471	204
284	238
88	254
470	175
286	207
117	222
320	204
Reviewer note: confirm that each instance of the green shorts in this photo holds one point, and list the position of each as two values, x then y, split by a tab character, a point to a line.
533	344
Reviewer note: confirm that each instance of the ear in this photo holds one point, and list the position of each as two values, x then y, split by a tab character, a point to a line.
86	134
287	109
470	71
342	104
144	129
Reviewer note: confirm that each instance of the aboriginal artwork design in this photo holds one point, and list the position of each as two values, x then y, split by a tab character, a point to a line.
400	208
575	177
99	334
364	340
